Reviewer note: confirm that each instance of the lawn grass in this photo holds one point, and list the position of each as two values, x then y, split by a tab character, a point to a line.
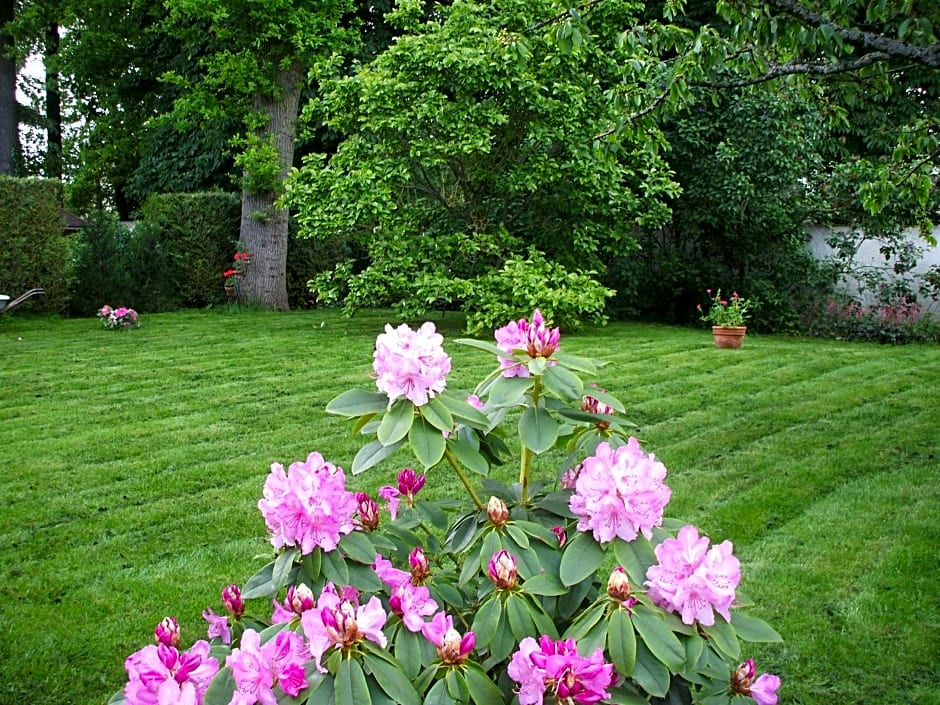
131	464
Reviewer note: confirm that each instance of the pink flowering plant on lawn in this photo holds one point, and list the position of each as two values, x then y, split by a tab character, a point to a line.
569	587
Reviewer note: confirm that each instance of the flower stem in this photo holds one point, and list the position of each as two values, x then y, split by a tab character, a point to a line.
525	459
452	459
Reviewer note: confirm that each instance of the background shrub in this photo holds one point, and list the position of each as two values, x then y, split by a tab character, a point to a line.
33	247
98	256
307	257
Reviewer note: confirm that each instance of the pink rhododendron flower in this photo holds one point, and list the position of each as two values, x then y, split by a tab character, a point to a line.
389	574
338	622
368	511
412	603
475	401
411	364
556	668
307	506
763	689
299	599
160	675
533	338
451	647
502	570
420	567
391	496
232	600
218	626
693	579
258	669
620	492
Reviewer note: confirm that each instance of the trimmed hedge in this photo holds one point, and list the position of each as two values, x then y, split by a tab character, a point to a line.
33	247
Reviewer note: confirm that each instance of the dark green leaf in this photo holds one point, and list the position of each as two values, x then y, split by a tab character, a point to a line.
436	413
334	568
457	686
563	383
510	391
371	454
586	621
470	457
427	443
486	622
621	642
363	577
751	628
357	402
283	565
635	556
437	695
492	544
397	422
517	612
408	652
221	689
259	584
483	691
545	584
357	546
350	684
581	558
538	429
462	532
723	637
658	638
650	673
395	683
464	413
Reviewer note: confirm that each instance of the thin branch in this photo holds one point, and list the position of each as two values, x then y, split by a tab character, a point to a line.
793	69
585	7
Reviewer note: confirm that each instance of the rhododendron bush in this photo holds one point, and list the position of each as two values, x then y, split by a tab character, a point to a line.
569	586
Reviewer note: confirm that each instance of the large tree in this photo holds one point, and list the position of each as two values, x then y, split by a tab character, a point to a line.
257	61
9	124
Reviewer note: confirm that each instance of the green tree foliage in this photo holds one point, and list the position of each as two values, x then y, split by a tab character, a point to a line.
470	143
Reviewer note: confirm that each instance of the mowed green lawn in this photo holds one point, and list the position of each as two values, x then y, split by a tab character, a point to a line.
131	464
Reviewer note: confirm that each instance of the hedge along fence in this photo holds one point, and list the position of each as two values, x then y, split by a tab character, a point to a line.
33	249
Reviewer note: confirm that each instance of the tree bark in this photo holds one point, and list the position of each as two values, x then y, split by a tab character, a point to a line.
9	125
263	223
53	165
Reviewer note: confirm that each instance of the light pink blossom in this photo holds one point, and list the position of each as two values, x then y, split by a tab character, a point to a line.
389	574
410	364
533	338
502	570
218	626
160	675
412	603
692	579
338	622
307	506
555	668
452	648
258	668
299	599
620	492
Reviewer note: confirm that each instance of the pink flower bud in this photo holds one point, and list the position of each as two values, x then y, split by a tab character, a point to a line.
502	570
618	585
300	598
742	676
167	632
409	484
232	601
368	511
455	648
497	511
562	535
420	568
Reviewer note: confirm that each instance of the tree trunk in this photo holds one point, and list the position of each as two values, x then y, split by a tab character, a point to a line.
53	165
263	223
9	126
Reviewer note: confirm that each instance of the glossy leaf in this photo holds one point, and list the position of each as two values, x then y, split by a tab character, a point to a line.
396	685
750	628
373	453
538	429
259	584
357	546
545	584
659	638
563	383
396	423
650	673
636	557
486	622
357	402
621	642
283	565
723	637
517	613
470	457
221	689
483	691
350	684
427	443
581	558
436	413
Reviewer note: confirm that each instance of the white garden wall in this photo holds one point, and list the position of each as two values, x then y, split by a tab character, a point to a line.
869	256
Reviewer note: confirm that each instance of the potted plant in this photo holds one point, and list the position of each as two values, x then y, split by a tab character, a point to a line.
728	318
120	318
231	282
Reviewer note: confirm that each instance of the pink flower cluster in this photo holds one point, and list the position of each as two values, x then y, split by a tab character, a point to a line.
452	648
620	492
692	579
339	621
410	364
556	668
410	601
258	668
307	506
409	484
120	317
160	674
533	338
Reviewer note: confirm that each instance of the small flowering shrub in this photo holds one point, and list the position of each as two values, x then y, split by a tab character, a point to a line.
725	312
568	587
119	318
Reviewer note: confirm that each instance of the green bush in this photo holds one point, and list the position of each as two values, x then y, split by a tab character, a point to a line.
98	256
306	258
185	241
34	249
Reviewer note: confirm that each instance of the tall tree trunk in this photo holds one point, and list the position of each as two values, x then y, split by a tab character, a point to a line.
53	165
9	126
263	224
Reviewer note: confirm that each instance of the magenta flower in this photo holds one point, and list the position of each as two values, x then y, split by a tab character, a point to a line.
410	483
534	339
561	534
420	567
218	626
389	574
692	579
337	622
410	364
763	689
620	493
163	674
232	601
475	401
556	668
308	506
452	648
502	570
391	496
299	599
412	603
368	511
258	669
167	632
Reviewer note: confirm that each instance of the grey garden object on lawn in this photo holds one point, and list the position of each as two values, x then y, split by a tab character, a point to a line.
7	305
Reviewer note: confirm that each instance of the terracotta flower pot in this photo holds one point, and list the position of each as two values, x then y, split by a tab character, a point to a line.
728	336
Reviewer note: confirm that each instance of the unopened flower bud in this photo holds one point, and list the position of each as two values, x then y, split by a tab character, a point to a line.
502	570
455	648
420	568
300	598
497	511
409	484
232	601
562	535
368	512
618	585
167	632
742	677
